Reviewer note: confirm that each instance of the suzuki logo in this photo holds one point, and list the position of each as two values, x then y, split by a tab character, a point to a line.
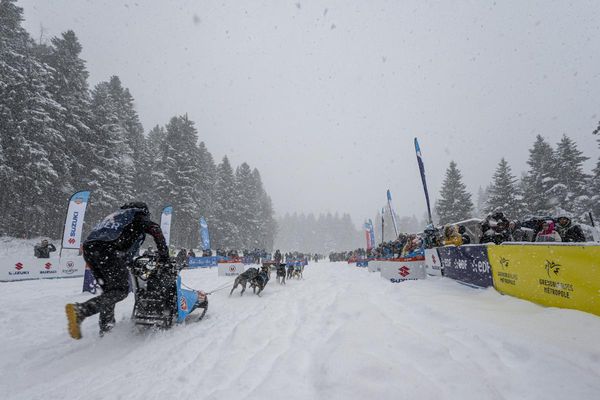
48	265
18	266
433	259
404	271
72	240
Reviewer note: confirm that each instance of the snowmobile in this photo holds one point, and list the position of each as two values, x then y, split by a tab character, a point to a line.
160	300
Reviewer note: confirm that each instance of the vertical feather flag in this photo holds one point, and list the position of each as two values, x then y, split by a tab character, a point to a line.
392	213
422	170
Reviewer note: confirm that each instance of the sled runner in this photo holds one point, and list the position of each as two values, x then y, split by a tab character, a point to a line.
159	298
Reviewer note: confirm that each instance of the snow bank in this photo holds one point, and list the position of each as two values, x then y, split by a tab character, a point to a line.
341	333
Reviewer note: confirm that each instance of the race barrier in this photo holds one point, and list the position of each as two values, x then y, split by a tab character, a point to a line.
374	265
467	264
565	276
433	265
296	263
401	269
18	268
231	268
203	262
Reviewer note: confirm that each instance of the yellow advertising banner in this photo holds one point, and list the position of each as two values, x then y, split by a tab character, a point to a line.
551	275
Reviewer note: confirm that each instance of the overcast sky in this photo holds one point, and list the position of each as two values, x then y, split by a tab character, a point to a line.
325	97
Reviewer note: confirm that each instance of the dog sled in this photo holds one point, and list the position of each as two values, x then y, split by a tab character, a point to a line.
160	300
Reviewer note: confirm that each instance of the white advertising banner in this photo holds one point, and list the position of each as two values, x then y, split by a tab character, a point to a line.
231	268
18	268
74	222
374	265
433	266
165	223
72	264
402	269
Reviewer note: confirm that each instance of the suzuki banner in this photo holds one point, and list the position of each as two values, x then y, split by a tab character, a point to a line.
17	268
566	276
204	234
74	221
467	264
401	269
165	223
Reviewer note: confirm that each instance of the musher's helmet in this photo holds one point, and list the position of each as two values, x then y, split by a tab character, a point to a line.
137	204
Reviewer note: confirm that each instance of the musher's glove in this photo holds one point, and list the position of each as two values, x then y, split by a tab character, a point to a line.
163	259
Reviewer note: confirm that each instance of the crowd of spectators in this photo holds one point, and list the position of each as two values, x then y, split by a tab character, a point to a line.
495	228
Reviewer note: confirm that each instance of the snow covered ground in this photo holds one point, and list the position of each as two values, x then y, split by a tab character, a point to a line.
341	333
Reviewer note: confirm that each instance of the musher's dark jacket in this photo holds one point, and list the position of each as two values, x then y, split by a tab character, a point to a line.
125	231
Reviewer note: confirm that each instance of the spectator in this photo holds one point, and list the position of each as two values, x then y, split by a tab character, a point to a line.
548	234
277	257
568	231
466	239
412	246
181	257
494	229
431	237
191	253
43	249
515	233
451	236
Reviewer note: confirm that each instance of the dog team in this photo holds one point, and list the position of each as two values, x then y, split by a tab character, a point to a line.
258	278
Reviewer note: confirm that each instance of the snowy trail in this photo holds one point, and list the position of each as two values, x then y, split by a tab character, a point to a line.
341	333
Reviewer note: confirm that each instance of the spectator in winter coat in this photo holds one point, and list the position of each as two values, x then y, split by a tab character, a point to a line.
191	253
568	231
451	236
413	244
515	233
181	256
494	229
43	249
466	239
548	234
277	257
431	237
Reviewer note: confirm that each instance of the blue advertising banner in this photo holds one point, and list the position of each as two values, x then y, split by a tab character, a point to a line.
296	263
468	264
362	263
204	234
202	262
